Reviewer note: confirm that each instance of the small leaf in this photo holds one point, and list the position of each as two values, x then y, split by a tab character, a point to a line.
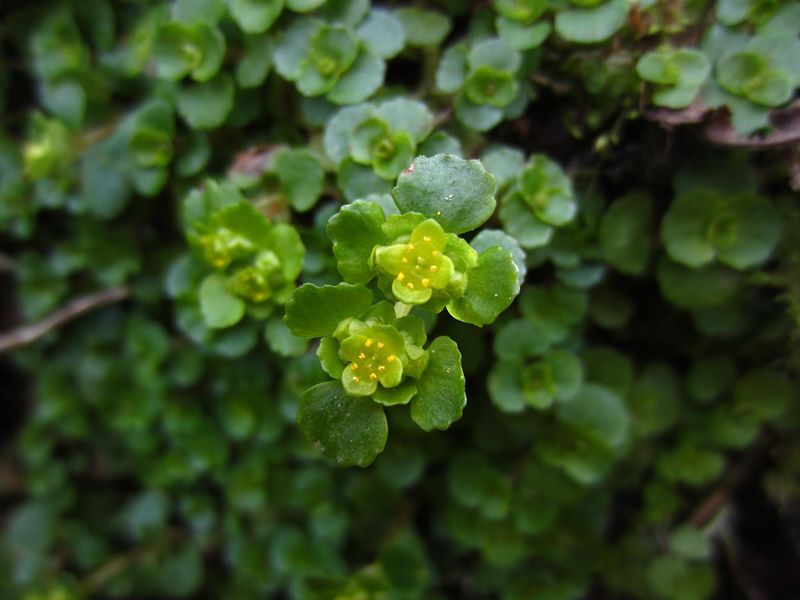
423	27
592	25
315	311
382	33
351	430
488	238
206	105
491	288
696	288
360	81
478	117
457	193
355	231
520	222
597	413
440	398
452	69
301	177
218	306
624	233
255	16
256	63
282	341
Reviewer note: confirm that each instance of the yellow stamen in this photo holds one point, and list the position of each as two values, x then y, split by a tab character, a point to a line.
373	376
410	246
434	268
362	356
356	379
435	253
381	368
410	286
381	345
354	367
404	260
391	358
400	276
426	282
368	343
427	238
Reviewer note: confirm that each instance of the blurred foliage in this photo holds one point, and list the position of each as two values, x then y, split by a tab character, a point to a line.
248	174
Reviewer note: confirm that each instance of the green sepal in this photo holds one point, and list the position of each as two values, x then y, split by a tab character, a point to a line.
401	394
328	353
441	397
355	231
458	193
316	311
348	429
491	288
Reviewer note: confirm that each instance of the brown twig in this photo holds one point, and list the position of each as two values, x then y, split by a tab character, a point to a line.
721	495
28	333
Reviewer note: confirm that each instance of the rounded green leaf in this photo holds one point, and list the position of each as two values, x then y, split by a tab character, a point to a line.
491	86
522	37
740	70
340	128
410	116
452	69
494	54
592	25
355	231
382	33
491	288
597	413
763	394
478	117
505	386
360	81
458	193
686	227
206	105
423	27
709	377
301	177
696	288
520	222
746	233
255	16
488	238
218	306
440	398
524	11
357	181
657	67
293	47
315	311
256	62
625	233
282	341
655	400
350	430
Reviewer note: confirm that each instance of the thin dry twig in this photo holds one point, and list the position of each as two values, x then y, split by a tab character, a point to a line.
29	333
721	495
